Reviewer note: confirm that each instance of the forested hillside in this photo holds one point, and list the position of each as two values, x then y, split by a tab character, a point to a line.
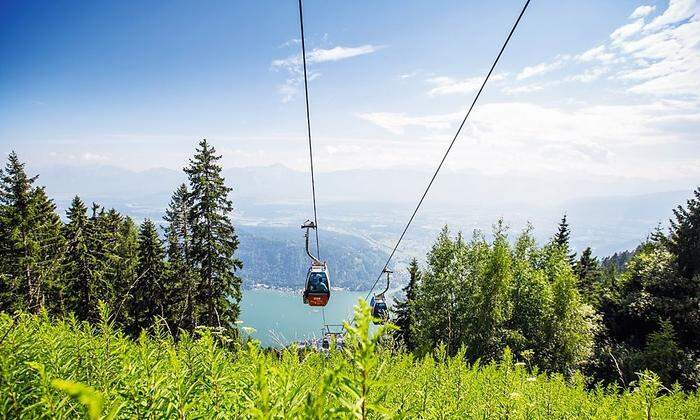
275	257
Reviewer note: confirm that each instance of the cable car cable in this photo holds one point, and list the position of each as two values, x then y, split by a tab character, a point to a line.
454	139
308	124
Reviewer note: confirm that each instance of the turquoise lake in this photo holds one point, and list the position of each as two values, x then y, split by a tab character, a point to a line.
279	318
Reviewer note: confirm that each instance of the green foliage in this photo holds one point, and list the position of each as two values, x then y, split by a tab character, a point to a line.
147	296
684	241
66	369
30	240
486	296
87	396
650	312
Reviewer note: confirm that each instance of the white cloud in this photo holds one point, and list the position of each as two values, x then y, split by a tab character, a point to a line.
588	75
321	55
650	140
409	75
529	88
666	61
660	58
642	11
447	85
397	122
531	138
678	10
628	30
542	68
599	53
293	65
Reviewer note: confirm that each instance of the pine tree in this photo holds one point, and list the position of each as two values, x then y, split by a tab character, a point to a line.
18	247
684	240
402	308
147	294
125	270
48	233
182	279
214	240
80	296
588	271
109	235
28	239
561	239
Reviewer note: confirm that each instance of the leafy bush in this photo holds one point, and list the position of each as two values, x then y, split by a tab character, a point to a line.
67	369
487	296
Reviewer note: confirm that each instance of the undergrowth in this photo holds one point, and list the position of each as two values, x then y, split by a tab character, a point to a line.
65	369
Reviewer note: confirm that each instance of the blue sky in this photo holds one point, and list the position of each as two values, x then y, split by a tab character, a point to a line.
600	88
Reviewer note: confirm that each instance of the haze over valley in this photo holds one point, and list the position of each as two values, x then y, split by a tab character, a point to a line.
364	211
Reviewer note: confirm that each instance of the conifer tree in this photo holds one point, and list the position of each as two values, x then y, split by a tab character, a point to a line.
561	239
147	294
99	259
48	232
402	308
108	238
684	240
125	270
79	294
588	271
28	239
181	282
18	247
214	240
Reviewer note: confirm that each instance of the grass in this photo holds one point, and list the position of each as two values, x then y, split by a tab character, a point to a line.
65	369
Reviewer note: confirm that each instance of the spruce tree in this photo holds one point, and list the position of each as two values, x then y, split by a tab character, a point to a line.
181	282
48	233
214	240
561	239
588	271
125	270
402	308
80	295
147	294
108	235
28	239
684	240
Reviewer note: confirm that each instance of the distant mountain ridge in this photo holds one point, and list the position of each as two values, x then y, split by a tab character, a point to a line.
608	214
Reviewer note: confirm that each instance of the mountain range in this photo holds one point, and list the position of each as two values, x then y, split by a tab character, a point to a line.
362	212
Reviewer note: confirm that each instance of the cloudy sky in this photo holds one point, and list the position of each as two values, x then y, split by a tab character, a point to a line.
601	88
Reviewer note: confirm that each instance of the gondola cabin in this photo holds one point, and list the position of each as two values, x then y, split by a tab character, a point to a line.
380	311
318	285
